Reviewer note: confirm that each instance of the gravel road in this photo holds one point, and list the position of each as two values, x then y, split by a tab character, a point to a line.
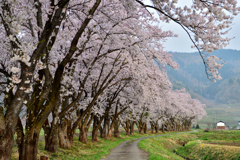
129	150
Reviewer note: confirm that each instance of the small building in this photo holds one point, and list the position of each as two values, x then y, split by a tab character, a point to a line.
221	126
238	126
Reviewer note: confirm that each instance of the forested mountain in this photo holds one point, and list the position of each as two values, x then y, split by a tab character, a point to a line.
191	75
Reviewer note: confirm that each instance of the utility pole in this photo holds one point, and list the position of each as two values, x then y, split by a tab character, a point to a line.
216	117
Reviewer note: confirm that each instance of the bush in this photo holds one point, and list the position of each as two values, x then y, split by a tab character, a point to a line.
197	126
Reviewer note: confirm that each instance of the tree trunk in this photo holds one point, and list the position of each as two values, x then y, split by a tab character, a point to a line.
94	136
104	130
50	133
20	139
84	127
30	144
110	131
63	134
95	129
131	128
152	127
83	135
97	124
157	128
104	133
127	128
7	130
71	139
145	128
6	147
163	128
140	126
51	141
116	129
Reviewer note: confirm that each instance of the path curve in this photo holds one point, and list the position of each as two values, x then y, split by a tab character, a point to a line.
129	150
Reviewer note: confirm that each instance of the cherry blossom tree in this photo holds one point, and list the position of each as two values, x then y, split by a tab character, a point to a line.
182	110
61	54
205	22
30	40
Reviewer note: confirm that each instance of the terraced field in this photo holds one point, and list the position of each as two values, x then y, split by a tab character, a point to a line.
229	113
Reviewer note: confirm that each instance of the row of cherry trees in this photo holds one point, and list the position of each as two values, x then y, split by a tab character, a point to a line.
67	64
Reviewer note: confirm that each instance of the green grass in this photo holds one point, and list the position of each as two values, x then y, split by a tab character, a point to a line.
163	148
213	145
82	151
198	150
220	136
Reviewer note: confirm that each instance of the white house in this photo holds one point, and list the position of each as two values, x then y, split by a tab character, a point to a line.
221	125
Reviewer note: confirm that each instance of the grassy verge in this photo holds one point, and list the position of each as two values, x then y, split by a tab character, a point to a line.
163	148
219	145
198	150
82	151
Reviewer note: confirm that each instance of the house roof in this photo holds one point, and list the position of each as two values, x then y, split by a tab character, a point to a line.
221	121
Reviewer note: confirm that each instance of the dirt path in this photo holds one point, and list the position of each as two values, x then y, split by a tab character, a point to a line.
129	150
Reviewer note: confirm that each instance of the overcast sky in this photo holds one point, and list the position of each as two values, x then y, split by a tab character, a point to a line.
183	44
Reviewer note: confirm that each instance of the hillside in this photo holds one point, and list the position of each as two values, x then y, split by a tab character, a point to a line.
221	98
191	75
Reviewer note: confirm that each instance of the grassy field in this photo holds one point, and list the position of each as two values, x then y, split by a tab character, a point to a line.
82	151
228	113
164	148
219	145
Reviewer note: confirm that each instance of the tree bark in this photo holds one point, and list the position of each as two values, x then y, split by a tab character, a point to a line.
157	128
8	123
152	127
95	136
163	128
71	139
127	128
83	135
51	132
145	128
84	127
104	130
62	134
116	129
110	131
20	139
97	124
95	129
131	128
51	136
30	144
140	126
6	140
